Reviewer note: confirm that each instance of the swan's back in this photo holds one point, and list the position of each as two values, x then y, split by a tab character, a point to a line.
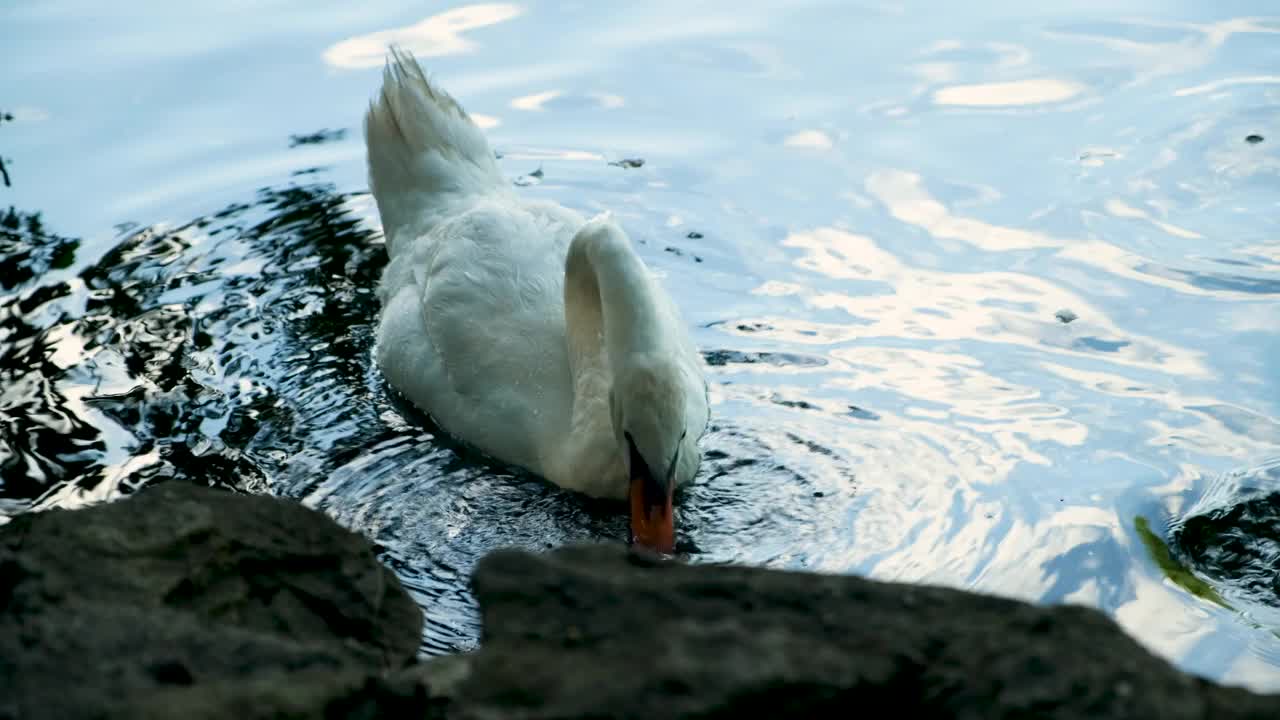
474	329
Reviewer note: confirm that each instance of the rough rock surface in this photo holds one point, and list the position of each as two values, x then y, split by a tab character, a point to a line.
184	601
596	631
187	602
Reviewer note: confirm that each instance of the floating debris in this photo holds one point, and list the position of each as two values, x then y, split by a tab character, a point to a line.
629	162
1096	156
1065	315
680	253
1253	139
718	358
532	178
861	413
4	172
317	138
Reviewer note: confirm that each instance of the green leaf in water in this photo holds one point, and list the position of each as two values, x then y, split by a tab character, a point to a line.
1180	574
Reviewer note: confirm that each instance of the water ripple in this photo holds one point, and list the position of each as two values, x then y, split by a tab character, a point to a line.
975	290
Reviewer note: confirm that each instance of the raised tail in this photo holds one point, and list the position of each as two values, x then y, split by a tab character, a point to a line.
425	154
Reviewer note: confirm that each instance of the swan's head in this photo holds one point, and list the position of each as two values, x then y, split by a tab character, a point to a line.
648	408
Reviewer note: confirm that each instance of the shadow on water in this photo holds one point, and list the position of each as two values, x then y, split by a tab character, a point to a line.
43	442
172	337
190	352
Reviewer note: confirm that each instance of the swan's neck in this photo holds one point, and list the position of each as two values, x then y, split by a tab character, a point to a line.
610	315
610	309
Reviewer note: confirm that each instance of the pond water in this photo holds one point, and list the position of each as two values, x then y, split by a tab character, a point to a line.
979	285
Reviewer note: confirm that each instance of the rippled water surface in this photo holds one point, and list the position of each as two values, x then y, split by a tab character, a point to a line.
978	285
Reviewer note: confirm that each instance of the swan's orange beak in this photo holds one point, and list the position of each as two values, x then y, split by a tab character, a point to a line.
652	520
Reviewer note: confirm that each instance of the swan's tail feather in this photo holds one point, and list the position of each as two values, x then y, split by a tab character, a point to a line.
425	153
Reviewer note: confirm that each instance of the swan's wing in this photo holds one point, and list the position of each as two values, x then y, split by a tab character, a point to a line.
492	309
492	300
406	356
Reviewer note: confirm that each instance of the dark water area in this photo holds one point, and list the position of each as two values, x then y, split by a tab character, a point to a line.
976	289
1231	537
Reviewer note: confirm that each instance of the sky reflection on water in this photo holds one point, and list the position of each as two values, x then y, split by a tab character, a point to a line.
871	212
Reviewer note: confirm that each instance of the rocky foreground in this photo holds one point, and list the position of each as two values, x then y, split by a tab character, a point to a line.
187	602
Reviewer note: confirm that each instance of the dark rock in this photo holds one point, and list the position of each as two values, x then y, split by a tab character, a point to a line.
184	601
1231	536
598	631
189	602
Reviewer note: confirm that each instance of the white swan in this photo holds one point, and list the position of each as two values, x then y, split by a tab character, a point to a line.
524	330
